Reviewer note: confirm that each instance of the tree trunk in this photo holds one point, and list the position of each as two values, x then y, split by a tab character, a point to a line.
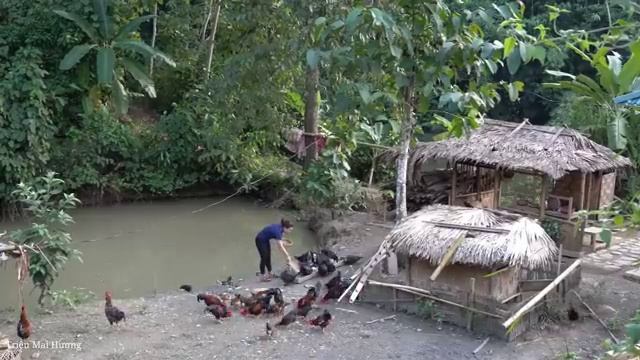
408	123
154	35
311	114
207	18
212	40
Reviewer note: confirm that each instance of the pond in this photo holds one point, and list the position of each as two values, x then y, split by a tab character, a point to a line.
137	249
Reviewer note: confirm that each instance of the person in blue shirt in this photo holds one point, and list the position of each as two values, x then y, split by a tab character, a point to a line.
263	243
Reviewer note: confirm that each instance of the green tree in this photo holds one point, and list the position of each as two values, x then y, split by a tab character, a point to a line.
50	244
113	55
614	77
427	63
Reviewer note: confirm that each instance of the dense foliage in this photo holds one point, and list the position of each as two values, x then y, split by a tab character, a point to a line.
67	111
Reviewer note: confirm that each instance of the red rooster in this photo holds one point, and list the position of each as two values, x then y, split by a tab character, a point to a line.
219	311
114	315
24	326
322	321
210	299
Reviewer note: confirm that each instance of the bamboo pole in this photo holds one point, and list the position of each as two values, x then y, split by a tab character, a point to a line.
466	227
212	40
523	310
613	337
447	257
471	302
496	188
435	298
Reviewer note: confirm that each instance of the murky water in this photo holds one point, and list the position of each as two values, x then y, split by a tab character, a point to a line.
136	249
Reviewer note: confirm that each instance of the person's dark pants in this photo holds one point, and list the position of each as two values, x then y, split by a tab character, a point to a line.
264	249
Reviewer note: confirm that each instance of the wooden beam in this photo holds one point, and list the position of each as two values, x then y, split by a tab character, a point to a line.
454	176
466	227
534	285
543	196
559	260
531	303
447	256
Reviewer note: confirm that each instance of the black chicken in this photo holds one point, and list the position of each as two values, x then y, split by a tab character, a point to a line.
287	319
218	311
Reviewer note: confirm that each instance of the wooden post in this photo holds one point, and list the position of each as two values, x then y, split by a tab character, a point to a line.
583	185
452	201
559	260
531	303
496	188
395	300
543	196
471	302
588	191
478	197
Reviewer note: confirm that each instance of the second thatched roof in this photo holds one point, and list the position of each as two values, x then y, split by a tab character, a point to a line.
516	240
547	150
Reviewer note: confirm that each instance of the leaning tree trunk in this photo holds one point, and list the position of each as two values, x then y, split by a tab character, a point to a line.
408	123
212	39
311	114
154	34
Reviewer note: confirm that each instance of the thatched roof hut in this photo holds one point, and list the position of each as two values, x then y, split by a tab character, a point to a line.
549	150
509	239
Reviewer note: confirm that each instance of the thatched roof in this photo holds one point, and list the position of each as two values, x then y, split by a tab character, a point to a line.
425	234
549	150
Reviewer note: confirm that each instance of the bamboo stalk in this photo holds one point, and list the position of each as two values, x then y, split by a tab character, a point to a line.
426	294
467	227
583	185
523	310
477	350
398	286
613	337
447	257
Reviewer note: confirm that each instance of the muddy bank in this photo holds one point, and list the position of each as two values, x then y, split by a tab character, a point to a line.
173	325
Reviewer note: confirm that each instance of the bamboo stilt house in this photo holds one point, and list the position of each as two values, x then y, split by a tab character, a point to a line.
538	171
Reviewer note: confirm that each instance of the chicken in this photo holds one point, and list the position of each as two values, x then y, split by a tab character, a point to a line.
287	319
186	288
276	309
336	290
219	311
304	310
308	299
322	321
114	315
334	280
257	307
210	299
269	329
24	326
351	259
330	254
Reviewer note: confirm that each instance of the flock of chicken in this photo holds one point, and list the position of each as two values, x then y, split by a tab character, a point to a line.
267	302
264	302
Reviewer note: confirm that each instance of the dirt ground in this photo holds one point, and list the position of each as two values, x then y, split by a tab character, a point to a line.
173	325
